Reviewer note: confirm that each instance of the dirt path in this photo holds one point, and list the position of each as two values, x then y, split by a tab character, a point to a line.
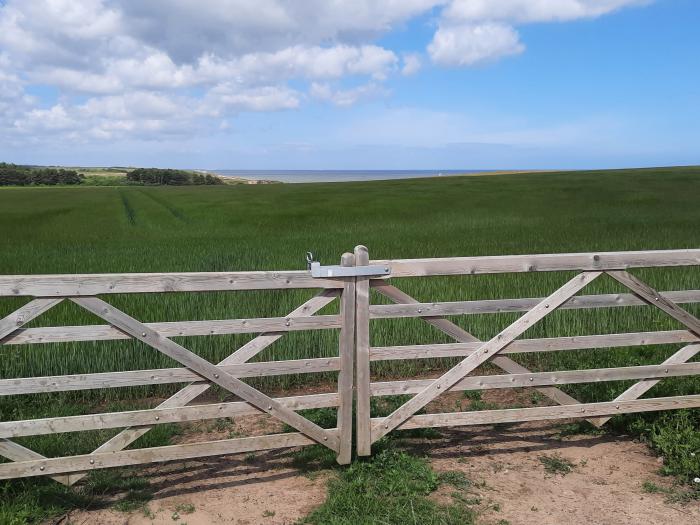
509	482
241	490
605	486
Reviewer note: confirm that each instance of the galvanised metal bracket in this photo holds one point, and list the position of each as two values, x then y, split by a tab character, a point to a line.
344	271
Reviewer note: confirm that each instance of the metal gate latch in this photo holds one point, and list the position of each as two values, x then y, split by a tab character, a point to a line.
344	271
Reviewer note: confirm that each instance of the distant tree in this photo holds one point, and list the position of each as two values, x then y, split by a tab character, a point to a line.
168	177
13	175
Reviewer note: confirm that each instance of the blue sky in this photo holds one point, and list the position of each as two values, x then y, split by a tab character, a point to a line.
412	84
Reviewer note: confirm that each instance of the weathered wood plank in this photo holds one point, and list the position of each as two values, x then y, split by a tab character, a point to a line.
62	334
546	344
639	389
155	416
487	351
564	377
597	261
45	466
516	415
24	314
362	368
98	284
647	294
16	452
346	346
492	306
206	369
191	392
160	376
459	334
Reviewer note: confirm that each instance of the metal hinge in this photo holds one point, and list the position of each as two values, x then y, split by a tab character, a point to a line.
343	271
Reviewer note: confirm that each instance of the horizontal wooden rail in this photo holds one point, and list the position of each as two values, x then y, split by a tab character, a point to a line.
517	415
564	377
98	284
62	334
493	306
596	261
546	344
41	467
156	416
160	376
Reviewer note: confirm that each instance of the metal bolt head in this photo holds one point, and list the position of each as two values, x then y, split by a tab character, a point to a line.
532	379
157	418
92	462
269	407
216	376
143	334
437	386
420	310
666	370
583	410
386	426
42	467
617	406
325	438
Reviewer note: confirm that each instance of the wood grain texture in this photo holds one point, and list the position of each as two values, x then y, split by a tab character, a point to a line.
362	351
540	263
493	306
346	346
485	352
99	284
155	416
516	415
206	369
45	466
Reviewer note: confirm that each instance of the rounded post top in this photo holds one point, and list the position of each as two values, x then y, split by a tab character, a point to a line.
347	259
361	255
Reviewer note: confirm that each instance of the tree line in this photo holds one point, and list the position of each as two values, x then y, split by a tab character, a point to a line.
171	177
14	175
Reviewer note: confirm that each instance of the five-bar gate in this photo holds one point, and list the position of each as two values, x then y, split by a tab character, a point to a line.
351	283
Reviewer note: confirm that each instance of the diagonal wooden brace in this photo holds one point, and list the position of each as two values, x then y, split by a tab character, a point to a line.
207	370
194	390
652	297
8	324
482	354
461	335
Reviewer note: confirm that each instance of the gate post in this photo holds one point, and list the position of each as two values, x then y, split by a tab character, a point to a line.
362	422
346	348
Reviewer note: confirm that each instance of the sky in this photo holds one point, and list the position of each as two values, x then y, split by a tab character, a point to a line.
350	84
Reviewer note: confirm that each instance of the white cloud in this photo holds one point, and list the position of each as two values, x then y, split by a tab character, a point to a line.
475	31
411	64
148	69
346	97
469	44
526	11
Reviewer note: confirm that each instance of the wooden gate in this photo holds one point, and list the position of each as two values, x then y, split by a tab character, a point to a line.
351	283
496	350
49	290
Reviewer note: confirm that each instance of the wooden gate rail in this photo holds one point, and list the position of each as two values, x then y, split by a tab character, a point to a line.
50	290
475	352
355	354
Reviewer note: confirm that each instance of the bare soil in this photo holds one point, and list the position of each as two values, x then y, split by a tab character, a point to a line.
509	483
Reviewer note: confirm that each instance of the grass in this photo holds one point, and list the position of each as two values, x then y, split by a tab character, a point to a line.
391	488
267	227
556	464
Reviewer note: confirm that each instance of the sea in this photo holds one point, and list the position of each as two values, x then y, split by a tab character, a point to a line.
338	175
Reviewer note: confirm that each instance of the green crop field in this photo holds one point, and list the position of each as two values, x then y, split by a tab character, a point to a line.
268	227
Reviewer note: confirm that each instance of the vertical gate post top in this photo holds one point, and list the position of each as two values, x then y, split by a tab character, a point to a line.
361	255
347	259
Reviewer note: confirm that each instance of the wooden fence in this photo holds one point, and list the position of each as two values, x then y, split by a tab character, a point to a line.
590	266
83	290
355	354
